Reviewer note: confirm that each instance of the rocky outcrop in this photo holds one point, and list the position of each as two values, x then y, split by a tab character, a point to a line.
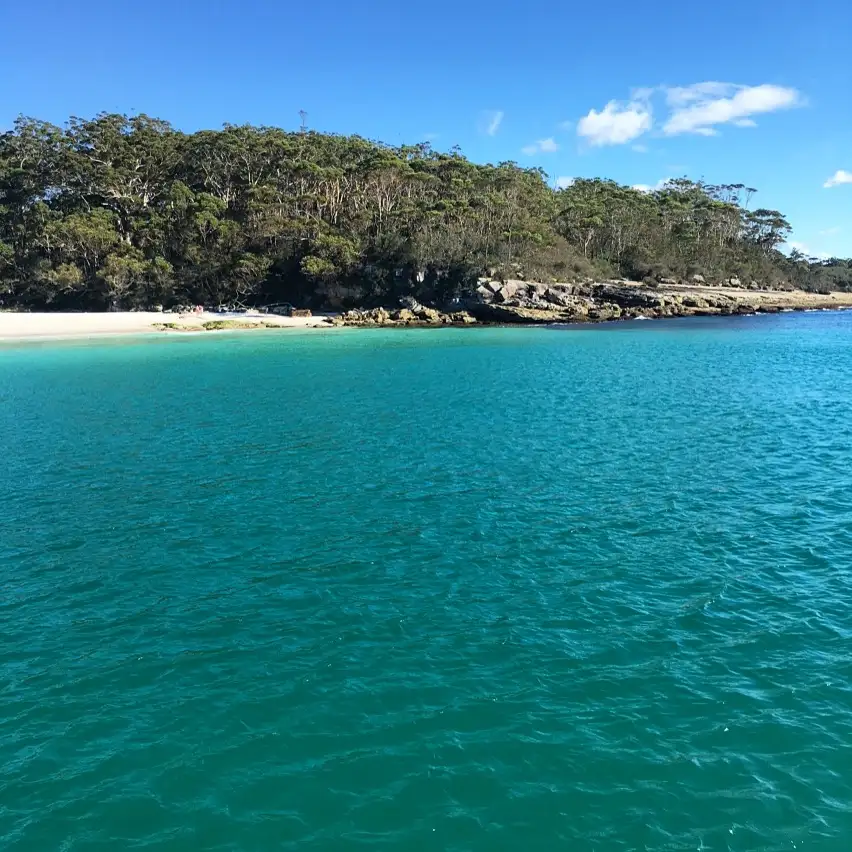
516	315
524	302
516	302
422	316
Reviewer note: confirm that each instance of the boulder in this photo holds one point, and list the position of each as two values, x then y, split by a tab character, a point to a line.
505	294
556	297
697	279
428	315
734	282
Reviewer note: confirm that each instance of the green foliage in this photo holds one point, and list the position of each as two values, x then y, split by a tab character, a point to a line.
66	276
125	211
317	268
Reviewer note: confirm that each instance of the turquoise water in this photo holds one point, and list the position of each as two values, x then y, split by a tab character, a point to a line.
480	589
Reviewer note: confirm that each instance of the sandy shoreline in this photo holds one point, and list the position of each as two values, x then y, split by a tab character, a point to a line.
43	326
46	326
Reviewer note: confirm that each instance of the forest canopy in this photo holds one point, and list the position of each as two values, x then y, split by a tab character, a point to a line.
121	212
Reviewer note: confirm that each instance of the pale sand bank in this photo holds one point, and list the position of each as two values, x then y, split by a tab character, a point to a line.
22	326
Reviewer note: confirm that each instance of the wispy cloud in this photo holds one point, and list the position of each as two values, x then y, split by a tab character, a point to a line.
616	124
490	121
564	182
699	108
680	96
831	232
839	177
542	146
640	149
642	93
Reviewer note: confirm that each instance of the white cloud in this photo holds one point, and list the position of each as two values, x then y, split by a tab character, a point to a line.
640	149
542	146
697	108
491	121
564	182
801	247
616	123
839	177
830	232
644	187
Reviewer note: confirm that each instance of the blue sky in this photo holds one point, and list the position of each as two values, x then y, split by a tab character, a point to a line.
740	91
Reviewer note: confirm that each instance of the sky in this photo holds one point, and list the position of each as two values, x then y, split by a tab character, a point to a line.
731	91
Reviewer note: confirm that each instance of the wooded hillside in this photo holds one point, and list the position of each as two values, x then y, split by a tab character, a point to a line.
123	212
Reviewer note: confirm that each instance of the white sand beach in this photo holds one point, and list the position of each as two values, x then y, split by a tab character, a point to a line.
22	326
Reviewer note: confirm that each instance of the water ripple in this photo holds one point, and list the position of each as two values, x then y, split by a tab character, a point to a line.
456	590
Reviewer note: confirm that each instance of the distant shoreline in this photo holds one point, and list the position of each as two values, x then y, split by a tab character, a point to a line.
671	303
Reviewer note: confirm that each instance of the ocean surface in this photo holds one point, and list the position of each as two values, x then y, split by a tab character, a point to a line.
474	589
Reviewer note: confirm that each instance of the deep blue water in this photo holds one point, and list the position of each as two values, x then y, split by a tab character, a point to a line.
474	589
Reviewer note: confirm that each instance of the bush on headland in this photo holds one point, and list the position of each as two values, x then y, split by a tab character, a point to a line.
123	212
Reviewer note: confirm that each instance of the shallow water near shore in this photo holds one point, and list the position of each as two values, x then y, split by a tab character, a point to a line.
454	589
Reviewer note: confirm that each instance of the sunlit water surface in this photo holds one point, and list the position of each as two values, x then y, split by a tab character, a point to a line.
481	589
